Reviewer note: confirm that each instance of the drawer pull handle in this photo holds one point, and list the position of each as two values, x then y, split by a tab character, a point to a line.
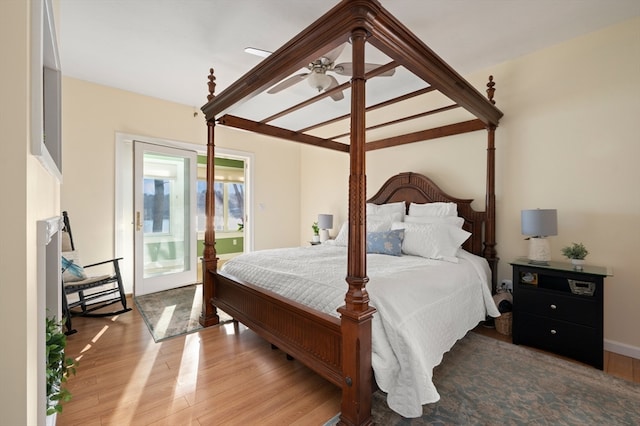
553	332
553	306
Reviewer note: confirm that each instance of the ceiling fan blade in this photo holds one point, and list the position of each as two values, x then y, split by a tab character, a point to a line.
257	52
288	83
346	68
333	55
337	96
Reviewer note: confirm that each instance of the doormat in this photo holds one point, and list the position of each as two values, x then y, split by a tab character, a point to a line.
174	312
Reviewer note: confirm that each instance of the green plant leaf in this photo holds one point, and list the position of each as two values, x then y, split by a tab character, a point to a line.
58	366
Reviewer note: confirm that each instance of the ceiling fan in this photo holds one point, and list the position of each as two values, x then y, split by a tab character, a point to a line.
317	72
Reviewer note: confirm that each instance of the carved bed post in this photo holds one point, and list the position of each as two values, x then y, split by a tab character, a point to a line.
209	315
356	315
490	252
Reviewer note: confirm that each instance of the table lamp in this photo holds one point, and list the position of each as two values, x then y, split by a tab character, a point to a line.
537	225
325	222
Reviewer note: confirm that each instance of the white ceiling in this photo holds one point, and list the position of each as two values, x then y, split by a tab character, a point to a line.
164	48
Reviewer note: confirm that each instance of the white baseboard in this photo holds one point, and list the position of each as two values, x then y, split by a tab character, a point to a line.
622	349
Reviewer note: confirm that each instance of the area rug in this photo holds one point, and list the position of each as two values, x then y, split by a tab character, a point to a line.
483	381
174	312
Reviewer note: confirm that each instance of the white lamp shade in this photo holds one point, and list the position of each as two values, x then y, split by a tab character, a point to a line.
539	222
325	221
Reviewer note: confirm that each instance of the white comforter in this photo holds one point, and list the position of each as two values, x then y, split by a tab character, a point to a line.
424	306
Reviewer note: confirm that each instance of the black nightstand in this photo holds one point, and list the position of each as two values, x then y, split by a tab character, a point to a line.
559	309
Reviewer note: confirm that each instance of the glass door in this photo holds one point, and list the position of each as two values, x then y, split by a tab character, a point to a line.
164	218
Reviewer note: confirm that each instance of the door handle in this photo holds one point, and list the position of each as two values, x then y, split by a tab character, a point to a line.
138	222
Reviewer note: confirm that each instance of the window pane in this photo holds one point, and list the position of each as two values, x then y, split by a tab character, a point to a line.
201	205
218	222
236	206
228	190
156	205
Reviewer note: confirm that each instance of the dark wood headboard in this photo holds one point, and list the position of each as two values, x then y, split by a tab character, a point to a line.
416	188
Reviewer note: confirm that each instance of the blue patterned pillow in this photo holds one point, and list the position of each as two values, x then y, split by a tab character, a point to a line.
71	269
387	242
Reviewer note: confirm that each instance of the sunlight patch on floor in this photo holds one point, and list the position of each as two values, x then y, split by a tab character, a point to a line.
93	340
165	319
99	334
188	370
131	393
195	306
232	327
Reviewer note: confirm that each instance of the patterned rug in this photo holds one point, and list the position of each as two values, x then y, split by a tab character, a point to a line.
483	381
173	312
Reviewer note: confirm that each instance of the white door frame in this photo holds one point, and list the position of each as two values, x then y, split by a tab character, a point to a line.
124	215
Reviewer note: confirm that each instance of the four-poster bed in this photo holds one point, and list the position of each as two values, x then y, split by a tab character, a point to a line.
339	348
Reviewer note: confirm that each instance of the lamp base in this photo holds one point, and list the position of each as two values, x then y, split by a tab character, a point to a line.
324	235
539	251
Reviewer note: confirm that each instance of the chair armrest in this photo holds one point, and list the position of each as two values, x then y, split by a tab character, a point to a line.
102	263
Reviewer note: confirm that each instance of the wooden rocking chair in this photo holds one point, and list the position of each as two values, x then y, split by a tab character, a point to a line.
93	292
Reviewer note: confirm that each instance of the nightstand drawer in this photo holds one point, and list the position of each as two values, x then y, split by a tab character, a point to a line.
558	306
564	338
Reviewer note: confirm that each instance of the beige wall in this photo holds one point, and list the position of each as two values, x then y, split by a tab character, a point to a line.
569	140
30	194
276	186
92	114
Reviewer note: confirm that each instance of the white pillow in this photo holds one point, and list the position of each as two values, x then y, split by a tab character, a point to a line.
433	241
390	218
343	233
433	209
387	209
373	225
451	220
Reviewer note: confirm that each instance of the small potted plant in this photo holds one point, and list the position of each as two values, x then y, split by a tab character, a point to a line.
58	368
576	252
316	232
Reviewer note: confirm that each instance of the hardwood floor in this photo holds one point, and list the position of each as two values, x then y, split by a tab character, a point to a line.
220	375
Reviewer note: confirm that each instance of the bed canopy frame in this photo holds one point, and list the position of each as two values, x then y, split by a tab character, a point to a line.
340	349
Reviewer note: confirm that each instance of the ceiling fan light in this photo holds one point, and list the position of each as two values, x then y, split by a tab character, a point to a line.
319	80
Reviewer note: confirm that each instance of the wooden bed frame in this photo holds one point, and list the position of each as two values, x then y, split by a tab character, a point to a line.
340	349
309	335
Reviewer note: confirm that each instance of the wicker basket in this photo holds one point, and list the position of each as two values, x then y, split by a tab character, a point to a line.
503	324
